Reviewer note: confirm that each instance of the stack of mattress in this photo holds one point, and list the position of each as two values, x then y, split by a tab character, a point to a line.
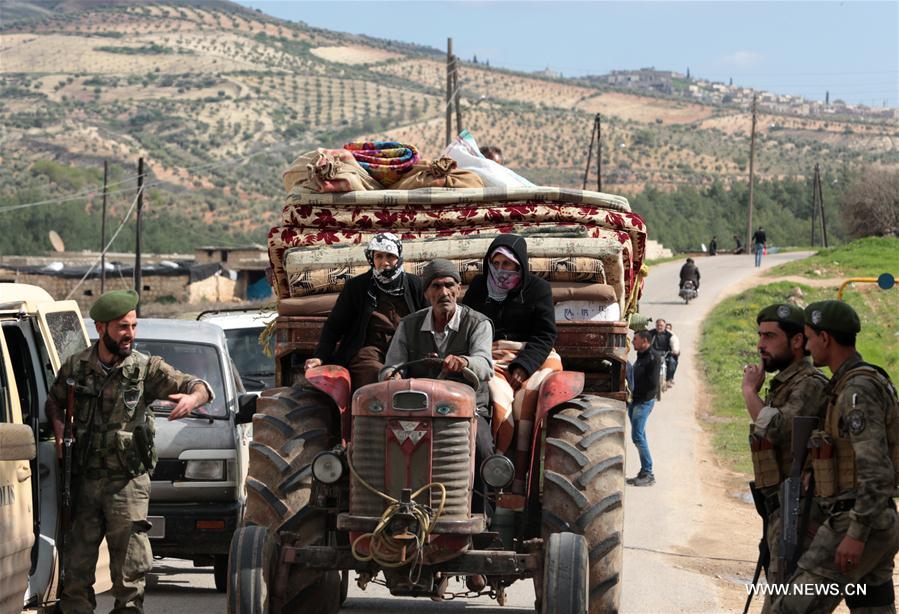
573	236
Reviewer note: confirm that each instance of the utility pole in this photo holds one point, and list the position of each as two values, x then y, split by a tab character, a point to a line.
457	94
814	203
449	90
138	280
598	153
595	137
821	203
751	173
103	231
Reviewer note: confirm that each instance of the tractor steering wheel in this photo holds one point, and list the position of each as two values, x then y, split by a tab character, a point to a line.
467	374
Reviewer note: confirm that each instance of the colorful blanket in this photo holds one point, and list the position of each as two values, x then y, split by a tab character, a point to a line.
386	161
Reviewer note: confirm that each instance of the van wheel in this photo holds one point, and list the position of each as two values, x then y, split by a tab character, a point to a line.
566	571
290	427
251	561
220	572
583	485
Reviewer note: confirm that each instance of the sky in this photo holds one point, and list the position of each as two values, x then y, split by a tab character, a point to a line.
849	48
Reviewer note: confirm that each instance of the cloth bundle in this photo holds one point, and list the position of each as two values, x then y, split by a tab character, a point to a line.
441	173
328	170
514	410
385	161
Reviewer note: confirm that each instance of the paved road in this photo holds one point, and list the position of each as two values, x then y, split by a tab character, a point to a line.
661	518
658	519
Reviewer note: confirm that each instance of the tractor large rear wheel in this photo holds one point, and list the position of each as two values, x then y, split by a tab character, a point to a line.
583	488
290	427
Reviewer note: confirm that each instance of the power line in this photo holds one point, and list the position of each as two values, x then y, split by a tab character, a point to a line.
107	246
204	166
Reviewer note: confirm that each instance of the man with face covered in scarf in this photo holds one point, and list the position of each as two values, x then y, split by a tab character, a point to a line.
521	308
359	328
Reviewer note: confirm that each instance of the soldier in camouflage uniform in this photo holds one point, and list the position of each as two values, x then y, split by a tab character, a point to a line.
854	457
795	390
111	483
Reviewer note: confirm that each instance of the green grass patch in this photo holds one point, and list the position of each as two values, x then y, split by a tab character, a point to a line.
867	257
728	342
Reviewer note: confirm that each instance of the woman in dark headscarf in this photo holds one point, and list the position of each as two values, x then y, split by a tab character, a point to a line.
520	305
359	328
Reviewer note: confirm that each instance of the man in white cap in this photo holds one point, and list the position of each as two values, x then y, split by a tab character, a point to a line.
370	306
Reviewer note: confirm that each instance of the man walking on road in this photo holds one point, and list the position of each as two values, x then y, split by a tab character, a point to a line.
646	386
796	390
667	346
114	454
759	244
854	461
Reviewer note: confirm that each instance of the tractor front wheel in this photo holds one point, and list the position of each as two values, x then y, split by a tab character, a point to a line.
251	563
566	575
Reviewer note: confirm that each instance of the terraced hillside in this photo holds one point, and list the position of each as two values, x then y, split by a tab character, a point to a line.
217	98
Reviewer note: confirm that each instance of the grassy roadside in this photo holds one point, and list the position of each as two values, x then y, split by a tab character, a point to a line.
728	342
865	257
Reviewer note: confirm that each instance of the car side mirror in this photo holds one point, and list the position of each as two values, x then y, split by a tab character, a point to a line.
17	442
246	407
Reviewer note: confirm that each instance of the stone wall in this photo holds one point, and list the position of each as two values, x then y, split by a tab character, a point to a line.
156	288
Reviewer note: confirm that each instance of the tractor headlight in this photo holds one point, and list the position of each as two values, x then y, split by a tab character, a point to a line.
205	470
327	467
497	471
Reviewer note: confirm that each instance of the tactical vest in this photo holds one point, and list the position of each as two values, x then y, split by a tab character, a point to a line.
833	458
771	463
114	439
421	344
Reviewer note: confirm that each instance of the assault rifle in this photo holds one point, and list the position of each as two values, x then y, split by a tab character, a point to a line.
68	444
793	518
758	498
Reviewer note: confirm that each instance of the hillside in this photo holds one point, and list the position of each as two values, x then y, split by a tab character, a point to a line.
217	98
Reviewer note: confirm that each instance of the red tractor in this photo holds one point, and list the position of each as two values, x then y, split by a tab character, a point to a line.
380	482
383	484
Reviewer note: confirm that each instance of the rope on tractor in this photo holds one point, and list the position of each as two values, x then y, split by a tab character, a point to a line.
385	549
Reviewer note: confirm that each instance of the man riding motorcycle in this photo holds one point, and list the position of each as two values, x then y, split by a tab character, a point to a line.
689	272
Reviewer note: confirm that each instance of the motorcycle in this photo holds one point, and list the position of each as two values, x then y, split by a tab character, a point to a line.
688	292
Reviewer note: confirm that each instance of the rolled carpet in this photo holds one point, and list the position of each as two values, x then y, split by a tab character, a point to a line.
385	161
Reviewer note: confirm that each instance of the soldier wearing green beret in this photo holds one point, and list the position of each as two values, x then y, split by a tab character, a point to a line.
854	458
113	425
794	391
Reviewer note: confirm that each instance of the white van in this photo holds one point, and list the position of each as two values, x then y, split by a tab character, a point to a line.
243	328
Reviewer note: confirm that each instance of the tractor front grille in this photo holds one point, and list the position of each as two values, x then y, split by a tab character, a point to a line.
389	466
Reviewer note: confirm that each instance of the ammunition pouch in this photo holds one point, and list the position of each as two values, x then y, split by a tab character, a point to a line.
765	463
824	465
145	447
135	451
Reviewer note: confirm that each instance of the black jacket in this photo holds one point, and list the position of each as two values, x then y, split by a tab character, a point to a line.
647	369
345	329
526	314
689	272
661	342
